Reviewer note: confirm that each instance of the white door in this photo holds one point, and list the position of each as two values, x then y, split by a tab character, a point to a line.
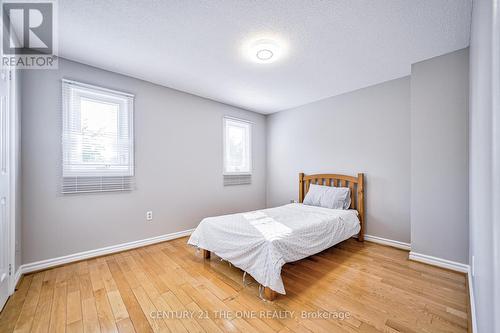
4	186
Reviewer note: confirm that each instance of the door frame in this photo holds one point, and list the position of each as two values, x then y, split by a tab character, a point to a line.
13	161
14	155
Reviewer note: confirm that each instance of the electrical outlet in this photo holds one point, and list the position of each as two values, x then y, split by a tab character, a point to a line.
149	215
293	201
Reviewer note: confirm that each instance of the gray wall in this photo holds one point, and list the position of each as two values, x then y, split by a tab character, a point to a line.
439	156
368	131
484	162
178	140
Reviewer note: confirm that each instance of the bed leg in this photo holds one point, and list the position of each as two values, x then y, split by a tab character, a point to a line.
206	254
270	294
361	237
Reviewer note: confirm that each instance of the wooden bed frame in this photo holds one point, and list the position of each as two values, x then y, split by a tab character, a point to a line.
356	186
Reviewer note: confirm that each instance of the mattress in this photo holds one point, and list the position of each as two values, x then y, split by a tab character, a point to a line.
261	242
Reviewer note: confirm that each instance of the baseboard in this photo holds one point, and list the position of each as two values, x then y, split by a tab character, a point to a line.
443	263
472	302
388	242
44	264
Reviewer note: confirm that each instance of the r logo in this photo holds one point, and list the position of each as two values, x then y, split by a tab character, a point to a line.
27	28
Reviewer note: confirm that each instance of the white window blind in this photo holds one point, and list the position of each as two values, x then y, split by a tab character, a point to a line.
237	135
97	139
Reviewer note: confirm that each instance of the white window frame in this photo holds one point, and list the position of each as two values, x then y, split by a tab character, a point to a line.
73	89
250	158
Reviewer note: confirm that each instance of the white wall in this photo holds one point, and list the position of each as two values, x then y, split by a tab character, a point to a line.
484	162
178	140
439	156
368	131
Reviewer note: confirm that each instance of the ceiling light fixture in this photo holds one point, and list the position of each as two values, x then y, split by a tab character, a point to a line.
264	54
263	50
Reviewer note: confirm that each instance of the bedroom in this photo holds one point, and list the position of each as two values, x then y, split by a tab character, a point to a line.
322	166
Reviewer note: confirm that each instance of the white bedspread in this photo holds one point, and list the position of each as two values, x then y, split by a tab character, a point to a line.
261	242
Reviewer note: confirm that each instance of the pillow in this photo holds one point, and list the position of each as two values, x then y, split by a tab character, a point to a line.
328	197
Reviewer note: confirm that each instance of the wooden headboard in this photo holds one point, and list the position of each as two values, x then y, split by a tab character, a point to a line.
355	184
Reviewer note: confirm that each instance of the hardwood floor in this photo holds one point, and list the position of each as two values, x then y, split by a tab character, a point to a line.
167	287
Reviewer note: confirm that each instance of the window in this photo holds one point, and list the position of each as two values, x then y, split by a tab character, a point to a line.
98	147
237	151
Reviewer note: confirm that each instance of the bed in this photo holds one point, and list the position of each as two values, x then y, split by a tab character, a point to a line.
261	242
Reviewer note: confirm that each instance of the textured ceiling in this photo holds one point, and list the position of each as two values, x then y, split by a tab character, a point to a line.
332	46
